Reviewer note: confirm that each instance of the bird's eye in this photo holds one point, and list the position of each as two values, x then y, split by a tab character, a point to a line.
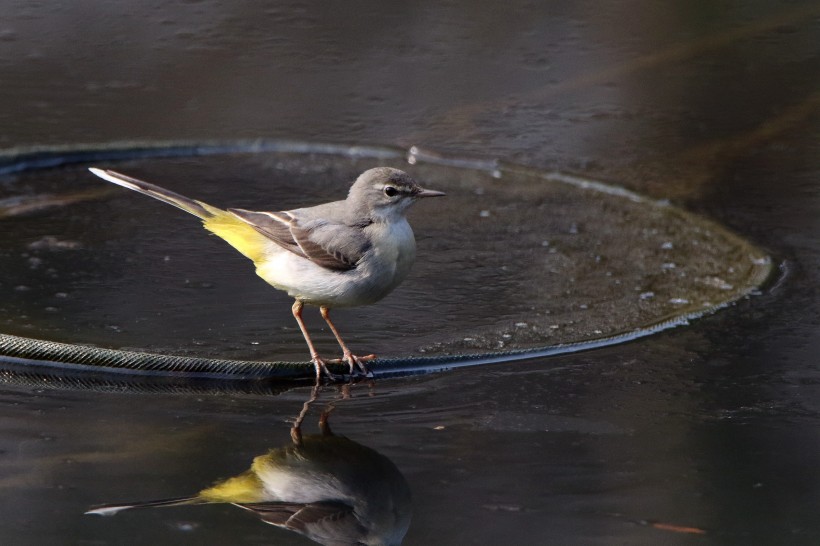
390	191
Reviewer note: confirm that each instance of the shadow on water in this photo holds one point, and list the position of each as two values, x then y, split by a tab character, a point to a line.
326	487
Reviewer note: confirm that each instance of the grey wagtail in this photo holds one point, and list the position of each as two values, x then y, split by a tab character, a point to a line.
339	254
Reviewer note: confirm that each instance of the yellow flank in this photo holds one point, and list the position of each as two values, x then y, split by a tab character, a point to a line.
237	233
243	488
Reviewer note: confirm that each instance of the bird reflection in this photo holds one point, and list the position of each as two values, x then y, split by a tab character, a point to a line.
328	488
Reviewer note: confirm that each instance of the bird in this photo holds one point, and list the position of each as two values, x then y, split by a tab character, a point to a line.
343	253
325	487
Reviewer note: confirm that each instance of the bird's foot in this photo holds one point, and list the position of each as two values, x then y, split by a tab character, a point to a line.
322	370
358	364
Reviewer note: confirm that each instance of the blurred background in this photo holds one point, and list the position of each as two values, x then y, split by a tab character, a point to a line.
704	434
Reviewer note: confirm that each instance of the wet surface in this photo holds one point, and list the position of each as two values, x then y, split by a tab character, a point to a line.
705	433
540	259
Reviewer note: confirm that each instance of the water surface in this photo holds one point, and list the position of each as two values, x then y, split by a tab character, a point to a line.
709	428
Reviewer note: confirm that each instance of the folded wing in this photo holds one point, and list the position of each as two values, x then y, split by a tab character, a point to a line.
332	245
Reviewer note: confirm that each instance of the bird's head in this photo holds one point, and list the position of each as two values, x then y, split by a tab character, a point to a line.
385	193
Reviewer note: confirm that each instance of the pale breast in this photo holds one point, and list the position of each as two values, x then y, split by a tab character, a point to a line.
383	267
394	249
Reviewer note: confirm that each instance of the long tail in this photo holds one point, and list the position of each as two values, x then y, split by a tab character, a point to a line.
111	509
238	233
197	208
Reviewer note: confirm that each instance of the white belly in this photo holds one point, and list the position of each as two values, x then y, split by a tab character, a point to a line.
380	270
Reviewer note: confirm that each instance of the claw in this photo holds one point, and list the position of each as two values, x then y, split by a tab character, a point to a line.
321	369
356	363
359	362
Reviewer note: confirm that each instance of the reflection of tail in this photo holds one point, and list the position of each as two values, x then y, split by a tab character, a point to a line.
239	234
111	509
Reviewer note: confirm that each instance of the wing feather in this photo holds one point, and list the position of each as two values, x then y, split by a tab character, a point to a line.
333	246
328	522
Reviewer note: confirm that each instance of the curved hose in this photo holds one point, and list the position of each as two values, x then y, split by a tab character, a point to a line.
59	365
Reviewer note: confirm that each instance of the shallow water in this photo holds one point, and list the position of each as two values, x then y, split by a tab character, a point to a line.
709	428
540	259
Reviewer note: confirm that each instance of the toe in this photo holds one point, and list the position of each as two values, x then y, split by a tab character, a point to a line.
359	362
322	369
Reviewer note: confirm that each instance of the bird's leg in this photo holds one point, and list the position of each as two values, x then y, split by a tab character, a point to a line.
314	355
352	360
324	426
296	428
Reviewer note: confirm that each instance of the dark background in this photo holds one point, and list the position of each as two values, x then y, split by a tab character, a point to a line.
714	106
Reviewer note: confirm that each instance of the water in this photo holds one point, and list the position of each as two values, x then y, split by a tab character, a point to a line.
541	259
707	428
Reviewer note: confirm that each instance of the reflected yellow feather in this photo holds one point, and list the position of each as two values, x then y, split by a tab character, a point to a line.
246	487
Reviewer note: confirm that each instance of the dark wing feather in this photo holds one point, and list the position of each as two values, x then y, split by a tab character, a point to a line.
273	225
325	256
333	246
332	521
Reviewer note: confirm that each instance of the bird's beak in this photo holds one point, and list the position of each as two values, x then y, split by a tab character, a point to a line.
430	193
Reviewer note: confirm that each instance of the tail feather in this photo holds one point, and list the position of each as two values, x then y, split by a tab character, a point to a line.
239	234
197	208
111	509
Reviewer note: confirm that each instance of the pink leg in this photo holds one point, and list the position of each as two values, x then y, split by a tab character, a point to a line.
314	355
352	360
